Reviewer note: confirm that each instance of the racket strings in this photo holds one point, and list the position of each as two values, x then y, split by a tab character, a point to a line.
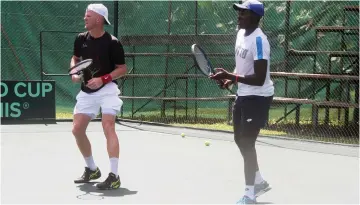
77	69
203	62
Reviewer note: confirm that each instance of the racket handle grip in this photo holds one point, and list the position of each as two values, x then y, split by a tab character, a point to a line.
220	83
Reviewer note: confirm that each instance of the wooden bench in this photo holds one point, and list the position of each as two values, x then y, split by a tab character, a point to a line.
316	105
178	39
273	74
351	8
174	54
337	29
294	52
298	102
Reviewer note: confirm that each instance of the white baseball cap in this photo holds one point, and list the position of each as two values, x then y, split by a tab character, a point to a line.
101	10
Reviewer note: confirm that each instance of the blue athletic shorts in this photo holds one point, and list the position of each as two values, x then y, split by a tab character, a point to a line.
251	112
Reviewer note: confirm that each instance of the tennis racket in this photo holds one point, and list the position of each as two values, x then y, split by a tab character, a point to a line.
204	64
78	68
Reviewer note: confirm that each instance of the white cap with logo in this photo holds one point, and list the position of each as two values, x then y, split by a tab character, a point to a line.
101	10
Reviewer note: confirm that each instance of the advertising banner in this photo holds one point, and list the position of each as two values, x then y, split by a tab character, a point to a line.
26	100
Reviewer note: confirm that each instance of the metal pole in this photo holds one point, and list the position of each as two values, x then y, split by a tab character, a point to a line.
163	108
41	66
196	80
41	58
287	33
133	87
196	18
116	16
356	110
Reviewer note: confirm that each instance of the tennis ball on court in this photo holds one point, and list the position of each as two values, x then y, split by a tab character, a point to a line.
207	143
182	134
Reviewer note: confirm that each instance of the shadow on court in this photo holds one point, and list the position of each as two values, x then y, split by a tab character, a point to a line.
91	192
263	202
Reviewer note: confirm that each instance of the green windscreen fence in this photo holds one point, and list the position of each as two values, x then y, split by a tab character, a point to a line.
58	22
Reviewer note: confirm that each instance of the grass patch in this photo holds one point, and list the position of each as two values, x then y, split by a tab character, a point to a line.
216	119
64	112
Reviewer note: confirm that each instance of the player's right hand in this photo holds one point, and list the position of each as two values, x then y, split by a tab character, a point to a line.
226	84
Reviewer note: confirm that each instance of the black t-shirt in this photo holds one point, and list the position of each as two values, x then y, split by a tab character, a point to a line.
105	51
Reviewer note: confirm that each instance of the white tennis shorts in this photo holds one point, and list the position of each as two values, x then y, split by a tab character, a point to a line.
107	98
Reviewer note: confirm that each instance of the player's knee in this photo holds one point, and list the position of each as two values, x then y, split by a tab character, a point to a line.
244	141
80	123
108	127
78	130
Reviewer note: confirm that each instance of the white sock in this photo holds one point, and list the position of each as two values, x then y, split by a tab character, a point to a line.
114	165
90	163
258	178
249	191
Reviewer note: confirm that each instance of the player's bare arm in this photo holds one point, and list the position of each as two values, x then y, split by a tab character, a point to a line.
256	79
74	60
119	71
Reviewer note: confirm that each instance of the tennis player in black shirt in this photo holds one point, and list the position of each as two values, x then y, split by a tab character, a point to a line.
99	90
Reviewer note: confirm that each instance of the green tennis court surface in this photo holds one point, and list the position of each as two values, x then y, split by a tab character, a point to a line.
157	165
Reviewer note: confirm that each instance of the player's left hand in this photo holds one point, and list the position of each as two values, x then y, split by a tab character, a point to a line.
94	83
221	74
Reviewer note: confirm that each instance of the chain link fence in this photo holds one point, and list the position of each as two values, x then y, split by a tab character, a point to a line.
306	38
